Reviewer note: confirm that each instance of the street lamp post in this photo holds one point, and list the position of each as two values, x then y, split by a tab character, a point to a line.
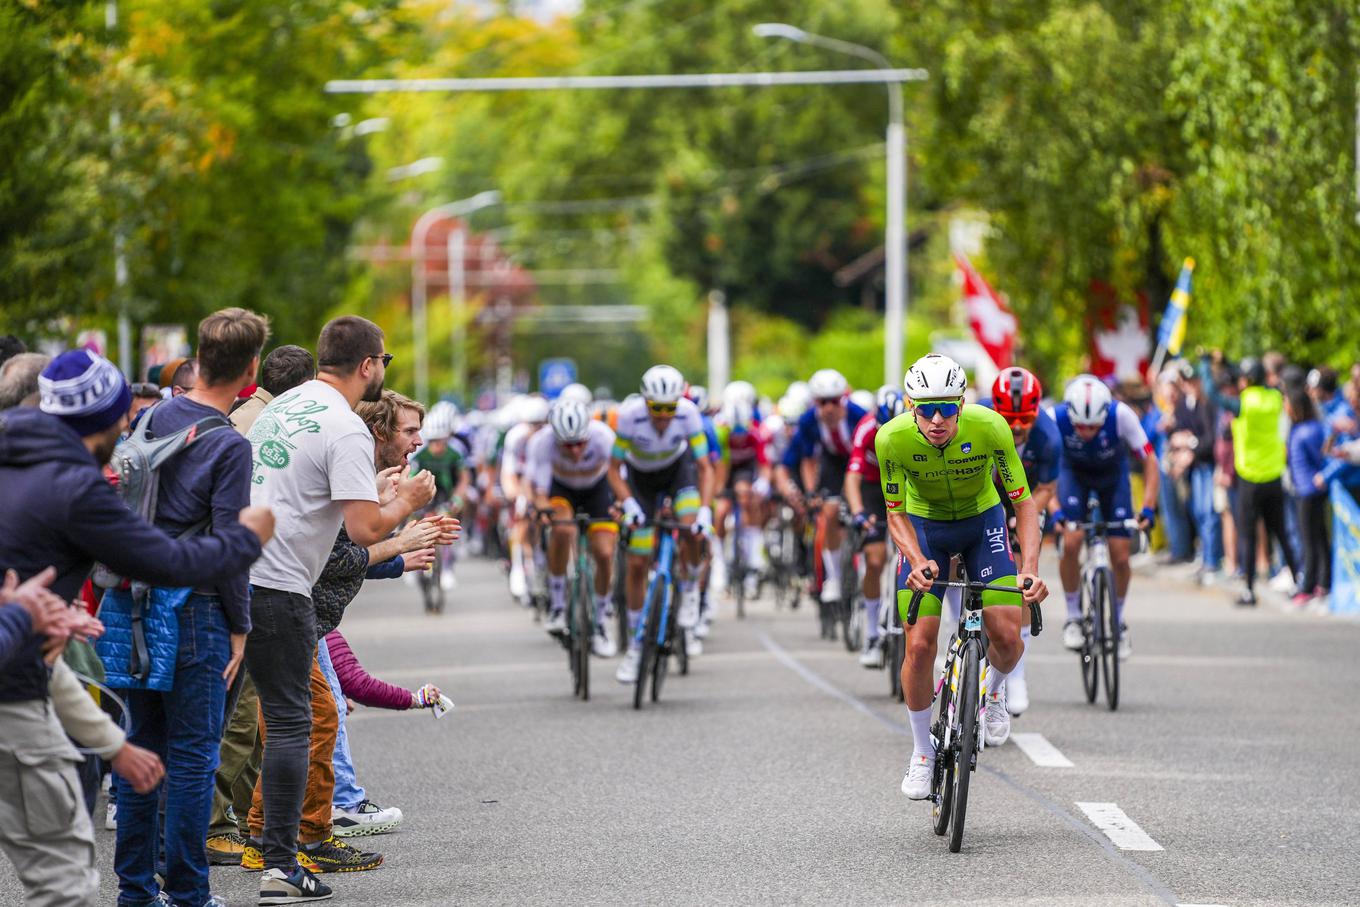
420	320
895	245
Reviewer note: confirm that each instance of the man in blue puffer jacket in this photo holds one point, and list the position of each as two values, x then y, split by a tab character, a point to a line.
59	510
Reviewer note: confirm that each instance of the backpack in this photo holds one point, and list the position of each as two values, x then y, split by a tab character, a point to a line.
136	467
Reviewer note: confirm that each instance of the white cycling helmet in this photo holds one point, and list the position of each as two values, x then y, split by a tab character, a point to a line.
828	383
740	392
863	399
533	408
578	392
935	377
570	420
791	407
739	414
698	395
1088	400
663	384
439	421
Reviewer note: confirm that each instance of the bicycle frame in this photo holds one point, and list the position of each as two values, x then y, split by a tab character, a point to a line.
663	564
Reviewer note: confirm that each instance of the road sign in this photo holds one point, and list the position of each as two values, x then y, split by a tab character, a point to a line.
555	374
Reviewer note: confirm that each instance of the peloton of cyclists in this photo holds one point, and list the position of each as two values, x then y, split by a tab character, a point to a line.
530	414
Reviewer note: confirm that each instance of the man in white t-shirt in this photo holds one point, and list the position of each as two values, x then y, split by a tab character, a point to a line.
313	464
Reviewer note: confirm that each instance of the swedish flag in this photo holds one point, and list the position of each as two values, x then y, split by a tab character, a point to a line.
1171	334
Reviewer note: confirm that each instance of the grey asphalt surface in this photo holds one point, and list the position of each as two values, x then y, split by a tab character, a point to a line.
770	774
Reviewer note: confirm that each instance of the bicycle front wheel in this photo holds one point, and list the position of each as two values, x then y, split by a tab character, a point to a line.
583	625
1109	649
1092	619
944	728
966	752
652	623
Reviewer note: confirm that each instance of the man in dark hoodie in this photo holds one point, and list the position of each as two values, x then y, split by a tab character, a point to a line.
61	512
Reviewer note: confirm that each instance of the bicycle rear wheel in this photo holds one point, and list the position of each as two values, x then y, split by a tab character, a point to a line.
897	654
1109	649
966	752
1091	621
942	781
650	655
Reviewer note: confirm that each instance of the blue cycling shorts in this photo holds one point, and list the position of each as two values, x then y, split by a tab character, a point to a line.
983	542
1111	489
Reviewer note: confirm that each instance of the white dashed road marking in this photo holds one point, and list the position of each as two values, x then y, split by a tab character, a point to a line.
1119	828
1040	751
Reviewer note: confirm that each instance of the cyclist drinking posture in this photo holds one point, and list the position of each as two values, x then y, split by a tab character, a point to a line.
568	469
660	438
936	472
864	496
1098	434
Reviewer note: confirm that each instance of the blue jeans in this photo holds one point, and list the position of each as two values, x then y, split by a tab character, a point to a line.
1207	522
1175	522
183	727
348	794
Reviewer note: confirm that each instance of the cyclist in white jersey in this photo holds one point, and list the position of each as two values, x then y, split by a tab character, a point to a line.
568	470
660	438
532	414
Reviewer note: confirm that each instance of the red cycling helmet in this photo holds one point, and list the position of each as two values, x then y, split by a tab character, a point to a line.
1016	392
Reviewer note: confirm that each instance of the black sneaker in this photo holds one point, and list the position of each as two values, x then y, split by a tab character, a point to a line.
334	855
299	887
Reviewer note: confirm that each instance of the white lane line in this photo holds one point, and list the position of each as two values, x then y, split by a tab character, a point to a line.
1040	751
1118	827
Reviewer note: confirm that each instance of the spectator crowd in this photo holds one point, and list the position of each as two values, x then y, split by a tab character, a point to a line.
184	548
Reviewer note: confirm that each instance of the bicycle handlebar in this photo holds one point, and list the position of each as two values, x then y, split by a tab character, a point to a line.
1036	616
1104	524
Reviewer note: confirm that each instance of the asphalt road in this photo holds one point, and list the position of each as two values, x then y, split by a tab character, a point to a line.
770	774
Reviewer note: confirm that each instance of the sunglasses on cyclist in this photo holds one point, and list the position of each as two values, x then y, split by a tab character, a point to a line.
828	401
573	445
1022	420
662	409
928	410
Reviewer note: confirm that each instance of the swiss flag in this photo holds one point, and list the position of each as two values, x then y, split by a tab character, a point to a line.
993	324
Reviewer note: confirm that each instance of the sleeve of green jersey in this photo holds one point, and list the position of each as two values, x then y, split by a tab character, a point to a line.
1007	460
890	473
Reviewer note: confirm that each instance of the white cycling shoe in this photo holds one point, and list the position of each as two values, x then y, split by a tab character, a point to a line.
1017	696
556	622
751	585
1073	637
872	656
628	668
601	644
916	782
688	615
996	721
694	647
704	626
519	585
831	591
1125	644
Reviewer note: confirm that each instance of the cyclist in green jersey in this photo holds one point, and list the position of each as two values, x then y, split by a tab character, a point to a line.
445	455
936	464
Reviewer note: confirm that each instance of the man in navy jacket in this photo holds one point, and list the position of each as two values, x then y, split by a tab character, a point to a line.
60	511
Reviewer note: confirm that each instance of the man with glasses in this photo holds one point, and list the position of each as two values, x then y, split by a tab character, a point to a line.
568	471
820	453
1015	395
661	442
936	472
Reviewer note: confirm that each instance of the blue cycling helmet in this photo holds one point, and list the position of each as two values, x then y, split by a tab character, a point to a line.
889	402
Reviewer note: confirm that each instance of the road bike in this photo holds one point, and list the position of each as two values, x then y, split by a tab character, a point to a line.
1099	623
580	630
737	566
848	610
659	634
960	698
781	541
431	582
620	590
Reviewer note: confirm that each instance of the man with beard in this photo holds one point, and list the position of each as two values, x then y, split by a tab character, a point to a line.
313	460
59	510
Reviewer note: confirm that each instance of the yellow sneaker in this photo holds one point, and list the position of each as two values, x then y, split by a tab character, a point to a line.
252	859
225	849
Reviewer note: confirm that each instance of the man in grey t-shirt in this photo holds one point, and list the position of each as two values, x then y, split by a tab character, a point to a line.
313	463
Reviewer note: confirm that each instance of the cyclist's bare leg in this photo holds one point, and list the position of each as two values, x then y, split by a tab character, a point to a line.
1003	635
831	512
560	540
602	544
875	556
635	584
1119	564
918	667
1069	568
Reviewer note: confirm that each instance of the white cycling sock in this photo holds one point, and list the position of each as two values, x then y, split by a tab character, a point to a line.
1118	609
831	568
557	592
1073	604
996	679
871	606
604	608
752	537
634	621
1018	672
921	744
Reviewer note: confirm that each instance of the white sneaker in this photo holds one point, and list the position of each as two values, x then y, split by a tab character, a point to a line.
1283	582
519	586
751	585
996	723
1017	696
601	644
628	668
111	816
704	626
447	580
556	623
1073	637
872	656
831	590
689	608
916	782
367	818
694	647
1125	645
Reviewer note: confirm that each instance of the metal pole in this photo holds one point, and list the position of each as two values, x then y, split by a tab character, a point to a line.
456	247
692	80
719	347
120	270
